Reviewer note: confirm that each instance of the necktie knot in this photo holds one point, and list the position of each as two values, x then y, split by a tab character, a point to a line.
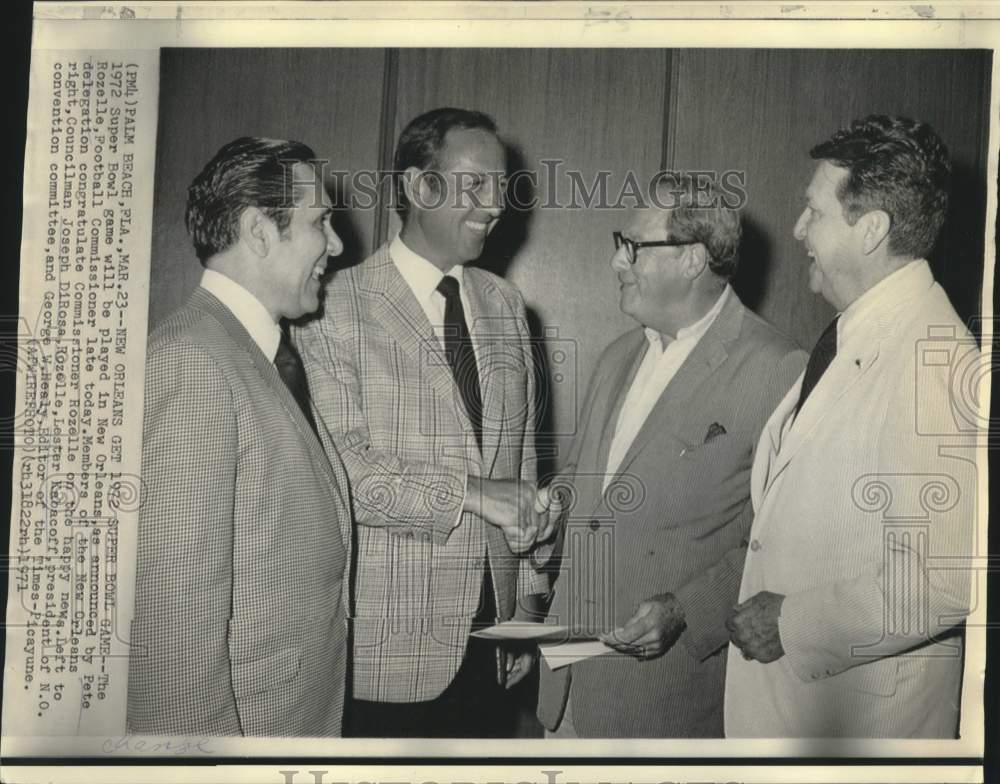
448	287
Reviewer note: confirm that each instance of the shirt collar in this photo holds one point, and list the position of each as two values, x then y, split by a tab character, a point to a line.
247	309
876	300
421	275
692	332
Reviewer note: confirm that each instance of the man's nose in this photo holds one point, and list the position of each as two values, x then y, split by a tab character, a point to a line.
334	246
799	231
619	260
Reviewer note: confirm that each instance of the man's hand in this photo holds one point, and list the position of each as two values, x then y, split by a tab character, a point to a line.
652	631
548	506
519	664
509	505
753	627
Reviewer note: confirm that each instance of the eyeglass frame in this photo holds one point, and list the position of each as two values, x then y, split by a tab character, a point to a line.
632	247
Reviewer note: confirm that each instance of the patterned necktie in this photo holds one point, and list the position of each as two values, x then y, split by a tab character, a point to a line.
820	359
461	355
289	365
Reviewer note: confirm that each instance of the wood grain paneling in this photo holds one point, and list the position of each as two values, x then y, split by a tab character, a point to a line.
594	109
328	98
620	111
760	111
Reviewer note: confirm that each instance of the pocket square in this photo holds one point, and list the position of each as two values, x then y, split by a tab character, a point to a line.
714	431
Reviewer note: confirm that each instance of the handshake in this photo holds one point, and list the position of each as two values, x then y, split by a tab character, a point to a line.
524	512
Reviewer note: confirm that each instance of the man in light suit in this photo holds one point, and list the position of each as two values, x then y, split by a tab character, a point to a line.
864	484
659	474
437	435
244	530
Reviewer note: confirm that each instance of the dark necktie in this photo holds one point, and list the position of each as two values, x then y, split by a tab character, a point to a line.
462	358
289	365
461	355
820	359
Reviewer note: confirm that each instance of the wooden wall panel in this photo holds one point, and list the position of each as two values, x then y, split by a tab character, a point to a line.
597	109
761	111
328	98
593	109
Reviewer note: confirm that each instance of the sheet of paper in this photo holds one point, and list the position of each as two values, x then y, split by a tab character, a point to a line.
563	654
525	631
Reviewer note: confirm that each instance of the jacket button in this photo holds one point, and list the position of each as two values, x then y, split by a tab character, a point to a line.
594	525
754	545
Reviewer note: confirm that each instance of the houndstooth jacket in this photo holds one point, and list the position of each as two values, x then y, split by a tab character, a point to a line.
243	543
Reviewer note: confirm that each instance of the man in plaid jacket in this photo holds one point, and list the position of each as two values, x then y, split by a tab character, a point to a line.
438	442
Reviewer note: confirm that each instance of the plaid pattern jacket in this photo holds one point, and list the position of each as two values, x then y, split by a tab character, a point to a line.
387	398
243	543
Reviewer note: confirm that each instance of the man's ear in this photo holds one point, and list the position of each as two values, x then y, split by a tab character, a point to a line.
875	226
257	231
695	260
423	187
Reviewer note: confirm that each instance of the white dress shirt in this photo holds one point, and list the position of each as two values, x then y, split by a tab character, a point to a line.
423	278
247	309
662	360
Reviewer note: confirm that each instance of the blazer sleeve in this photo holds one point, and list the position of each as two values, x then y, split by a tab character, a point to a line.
388	491
545	557
530	579
179	665
708	597
919	585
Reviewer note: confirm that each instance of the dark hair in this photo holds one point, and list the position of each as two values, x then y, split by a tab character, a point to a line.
698	212
247	172
896	165
422	140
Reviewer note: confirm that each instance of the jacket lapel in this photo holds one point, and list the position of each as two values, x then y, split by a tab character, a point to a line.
393	304
497	351
848	368
769	444
673	407
844	372
620	381
210	305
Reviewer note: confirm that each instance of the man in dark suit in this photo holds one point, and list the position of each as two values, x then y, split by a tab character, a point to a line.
660	478
436	430
245	528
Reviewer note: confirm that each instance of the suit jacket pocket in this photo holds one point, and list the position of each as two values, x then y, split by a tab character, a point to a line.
715	461
259	675
878	677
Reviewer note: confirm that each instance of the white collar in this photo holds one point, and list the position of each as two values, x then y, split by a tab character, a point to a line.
421	275
247	309
879	298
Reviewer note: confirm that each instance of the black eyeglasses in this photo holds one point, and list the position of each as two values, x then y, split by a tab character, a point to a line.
632	247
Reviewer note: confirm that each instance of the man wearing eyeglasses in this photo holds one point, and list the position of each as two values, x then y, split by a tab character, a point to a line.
651	551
